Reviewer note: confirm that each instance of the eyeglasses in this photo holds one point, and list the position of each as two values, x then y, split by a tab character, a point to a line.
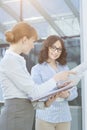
54	48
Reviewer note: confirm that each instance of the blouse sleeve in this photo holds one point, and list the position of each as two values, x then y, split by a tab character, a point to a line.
73	90
19	76
73	94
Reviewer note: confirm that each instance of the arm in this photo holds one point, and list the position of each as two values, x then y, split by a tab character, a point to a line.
17	73
73	94
44	104
19	76
70	94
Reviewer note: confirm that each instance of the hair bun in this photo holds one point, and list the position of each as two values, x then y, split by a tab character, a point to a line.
9	36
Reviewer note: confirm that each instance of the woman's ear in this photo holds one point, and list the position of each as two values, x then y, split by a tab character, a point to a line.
24	39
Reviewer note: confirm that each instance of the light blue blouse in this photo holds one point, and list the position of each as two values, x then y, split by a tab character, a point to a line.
59	111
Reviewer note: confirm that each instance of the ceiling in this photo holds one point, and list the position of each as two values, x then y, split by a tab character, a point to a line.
59	17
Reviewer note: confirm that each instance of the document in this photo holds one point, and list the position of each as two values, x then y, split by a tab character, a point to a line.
71	82
45	96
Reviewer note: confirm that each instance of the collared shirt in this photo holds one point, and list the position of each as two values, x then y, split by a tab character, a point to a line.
59	111
15	80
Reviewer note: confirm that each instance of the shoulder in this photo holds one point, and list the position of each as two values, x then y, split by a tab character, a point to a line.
5	61
64	67
39	66
10	62
8	58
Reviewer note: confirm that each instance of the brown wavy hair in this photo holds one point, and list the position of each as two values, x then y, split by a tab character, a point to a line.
43	55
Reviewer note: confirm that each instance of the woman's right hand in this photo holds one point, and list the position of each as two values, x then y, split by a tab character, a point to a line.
63	75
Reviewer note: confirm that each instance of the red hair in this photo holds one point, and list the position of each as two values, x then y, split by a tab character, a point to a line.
20	30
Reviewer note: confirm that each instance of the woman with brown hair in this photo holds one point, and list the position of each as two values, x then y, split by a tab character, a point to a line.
52	60
16	82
